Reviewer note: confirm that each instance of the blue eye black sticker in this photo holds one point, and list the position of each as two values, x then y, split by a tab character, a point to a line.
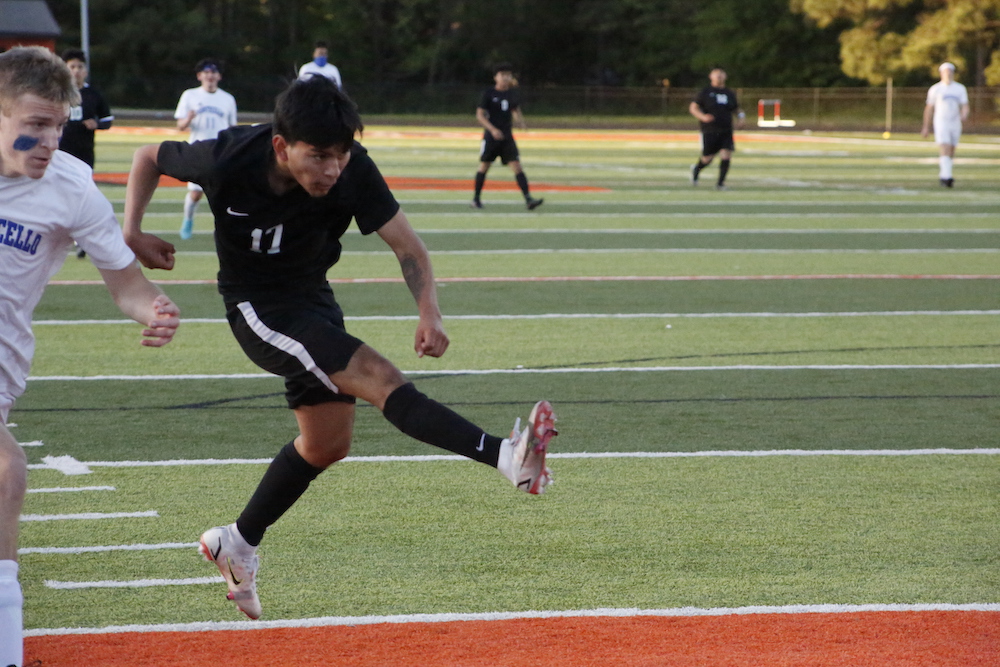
25	143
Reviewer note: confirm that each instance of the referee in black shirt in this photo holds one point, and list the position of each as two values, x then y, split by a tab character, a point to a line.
714	107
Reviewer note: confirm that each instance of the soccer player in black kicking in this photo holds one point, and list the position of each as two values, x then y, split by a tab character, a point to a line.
283	194
714	107
498	108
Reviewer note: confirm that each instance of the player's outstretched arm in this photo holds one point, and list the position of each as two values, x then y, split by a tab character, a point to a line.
144	302
152	251
415	262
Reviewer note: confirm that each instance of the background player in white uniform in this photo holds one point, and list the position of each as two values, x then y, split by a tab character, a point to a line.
321	65
948	103
48	200
206	110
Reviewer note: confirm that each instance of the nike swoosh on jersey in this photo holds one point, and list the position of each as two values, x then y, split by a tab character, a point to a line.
237	214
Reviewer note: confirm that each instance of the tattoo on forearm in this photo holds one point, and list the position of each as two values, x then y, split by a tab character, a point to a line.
414	276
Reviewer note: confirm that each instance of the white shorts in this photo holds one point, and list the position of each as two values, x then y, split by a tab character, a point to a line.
947	133
194	187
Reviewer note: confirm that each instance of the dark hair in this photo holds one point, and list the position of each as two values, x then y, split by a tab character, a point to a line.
207	63
320	44
503	67
316	111
74	54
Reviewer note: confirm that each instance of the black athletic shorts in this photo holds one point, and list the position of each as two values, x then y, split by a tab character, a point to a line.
505	149
301	338
713	142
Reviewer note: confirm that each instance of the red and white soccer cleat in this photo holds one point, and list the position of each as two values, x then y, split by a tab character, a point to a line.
522	455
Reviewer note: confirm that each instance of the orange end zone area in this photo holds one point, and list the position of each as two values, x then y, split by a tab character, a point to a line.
865	639
395	182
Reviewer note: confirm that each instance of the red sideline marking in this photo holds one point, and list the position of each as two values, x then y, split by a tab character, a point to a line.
597	279
395	182
866	639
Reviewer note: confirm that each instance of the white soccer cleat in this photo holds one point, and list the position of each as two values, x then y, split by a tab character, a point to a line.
522	455
238	562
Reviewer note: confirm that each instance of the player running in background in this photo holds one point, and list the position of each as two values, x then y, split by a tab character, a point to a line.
48	200
948	104
206	110
498	108
321	65
283	194
714	107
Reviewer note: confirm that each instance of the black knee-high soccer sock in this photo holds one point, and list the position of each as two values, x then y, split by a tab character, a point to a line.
522	182
285	481
425	419
723	170
698	166
480	181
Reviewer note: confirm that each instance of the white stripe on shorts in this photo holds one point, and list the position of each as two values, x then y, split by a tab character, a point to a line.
285	344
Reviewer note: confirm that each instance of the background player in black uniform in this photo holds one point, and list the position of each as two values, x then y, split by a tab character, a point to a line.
714	107
93	113
498	107
283	195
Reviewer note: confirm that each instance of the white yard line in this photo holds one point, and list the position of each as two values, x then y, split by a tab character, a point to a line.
428	458
102	549
72	489
136	583
332	621
86	516
582	316
544	371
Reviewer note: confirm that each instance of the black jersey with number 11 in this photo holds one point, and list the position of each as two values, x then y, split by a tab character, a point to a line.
270	244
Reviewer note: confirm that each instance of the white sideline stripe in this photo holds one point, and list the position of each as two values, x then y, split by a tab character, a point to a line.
665	251
576	316
72	489
334	621
90	515
545	371
101	549
806	231
33	443
136	583
687	251
565	455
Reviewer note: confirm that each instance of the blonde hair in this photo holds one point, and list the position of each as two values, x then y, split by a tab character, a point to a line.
35	70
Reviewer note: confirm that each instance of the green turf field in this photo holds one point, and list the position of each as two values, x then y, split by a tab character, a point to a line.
834	298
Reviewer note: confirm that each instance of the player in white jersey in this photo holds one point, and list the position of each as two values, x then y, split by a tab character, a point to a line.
948	104
206	111
48	200
321	65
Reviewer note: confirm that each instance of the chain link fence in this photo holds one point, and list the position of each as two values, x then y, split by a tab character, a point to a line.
852	109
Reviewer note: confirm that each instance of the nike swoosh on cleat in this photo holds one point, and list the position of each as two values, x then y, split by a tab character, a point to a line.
230	211
229	564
